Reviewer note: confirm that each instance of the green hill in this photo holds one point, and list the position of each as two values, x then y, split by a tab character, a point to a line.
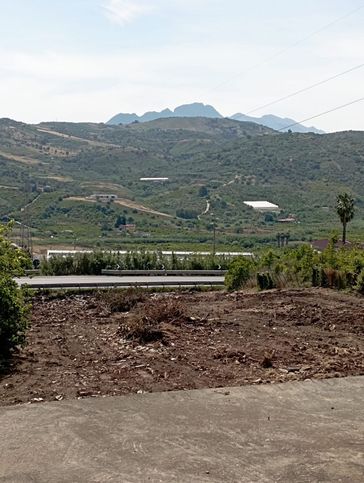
49	171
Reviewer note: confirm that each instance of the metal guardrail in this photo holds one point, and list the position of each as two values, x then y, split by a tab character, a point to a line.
32	272
182	273
86	285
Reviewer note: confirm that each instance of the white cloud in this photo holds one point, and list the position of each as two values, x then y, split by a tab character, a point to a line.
124	11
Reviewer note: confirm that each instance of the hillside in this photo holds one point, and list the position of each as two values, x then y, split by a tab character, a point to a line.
49	171
198	109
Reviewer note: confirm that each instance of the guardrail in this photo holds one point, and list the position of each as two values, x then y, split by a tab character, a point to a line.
87	285
32	272
182	273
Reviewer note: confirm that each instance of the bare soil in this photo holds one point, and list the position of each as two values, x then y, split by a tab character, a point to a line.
76	348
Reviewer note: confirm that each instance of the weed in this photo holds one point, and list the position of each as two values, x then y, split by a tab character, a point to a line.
122	300
146	323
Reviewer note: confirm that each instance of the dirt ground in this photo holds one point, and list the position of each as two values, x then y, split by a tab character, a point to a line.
75	347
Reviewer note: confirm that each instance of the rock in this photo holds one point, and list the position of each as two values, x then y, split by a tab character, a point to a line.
293	369
305	368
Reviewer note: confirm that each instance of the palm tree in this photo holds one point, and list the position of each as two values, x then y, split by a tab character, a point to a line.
345	210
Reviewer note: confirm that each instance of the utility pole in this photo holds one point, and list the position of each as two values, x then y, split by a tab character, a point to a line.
214	239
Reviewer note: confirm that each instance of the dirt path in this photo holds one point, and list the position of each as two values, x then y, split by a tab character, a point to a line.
76	348
34	200
208	205
76	138
125	202
136	206
20	159
5	187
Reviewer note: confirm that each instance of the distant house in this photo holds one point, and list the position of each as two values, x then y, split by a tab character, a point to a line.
104	198
127	228
321	245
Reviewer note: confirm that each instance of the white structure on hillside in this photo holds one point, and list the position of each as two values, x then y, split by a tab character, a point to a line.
104	198
155	180
262	206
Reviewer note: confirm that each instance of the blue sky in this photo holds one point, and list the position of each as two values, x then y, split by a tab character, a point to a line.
86	60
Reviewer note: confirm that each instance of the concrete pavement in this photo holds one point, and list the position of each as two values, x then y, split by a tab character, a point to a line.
295	432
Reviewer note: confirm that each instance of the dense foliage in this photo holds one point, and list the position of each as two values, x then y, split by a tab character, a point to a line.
94	263
13	308
239	273
300	267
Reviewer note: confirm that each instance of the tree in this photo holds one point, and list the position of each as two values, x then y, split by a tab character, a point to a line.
239	273
203	192
121	220
345	210
13	309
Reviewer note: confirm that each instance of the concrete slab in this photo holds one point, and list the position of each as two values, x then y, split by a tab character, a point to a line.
296	432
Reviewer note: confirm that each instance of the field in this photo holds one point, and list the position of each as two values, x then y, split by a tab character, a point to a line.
83	345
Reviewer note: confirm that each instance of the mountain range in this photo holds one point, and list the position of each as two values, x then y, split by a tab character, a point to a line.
198	109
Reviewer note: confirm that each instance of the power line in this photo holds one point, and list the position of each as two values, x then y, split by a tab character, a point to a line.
322	113
295	44
305	89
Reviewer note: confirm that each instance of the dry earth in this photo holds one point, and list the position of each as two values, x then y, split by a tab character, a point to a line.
76	349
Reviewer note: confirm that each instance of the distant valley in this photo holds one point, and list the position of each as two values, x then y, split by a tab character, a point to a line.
51	174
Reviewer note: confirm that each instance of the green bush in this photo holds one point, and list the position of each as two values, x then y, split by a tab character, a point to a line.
316	277
13	317
360	282
239	273
301	267
13	309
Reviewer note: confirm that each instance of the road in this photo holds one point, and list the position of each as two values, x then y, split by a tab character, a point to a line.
89	281
292	433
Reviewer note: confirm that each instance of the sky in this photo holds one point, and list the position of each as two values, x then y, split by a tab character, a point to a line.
87	60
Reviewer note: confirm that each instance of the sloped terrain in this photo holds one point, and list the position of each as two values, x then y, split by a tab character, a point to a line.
221	161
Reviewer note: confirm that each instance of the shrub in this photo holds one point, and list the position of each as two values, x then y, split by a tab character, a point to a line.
146	324
122	300
140	330
360	282
13	317
239	273
265	281
164	310
316	277
13	310
341	280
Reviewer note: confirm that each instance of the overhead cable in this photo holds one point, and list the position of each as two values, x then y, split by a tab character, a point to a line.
322	114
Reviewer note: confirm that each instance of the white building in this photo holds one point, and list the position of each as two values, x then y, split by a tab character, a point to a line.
263	206
154	180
